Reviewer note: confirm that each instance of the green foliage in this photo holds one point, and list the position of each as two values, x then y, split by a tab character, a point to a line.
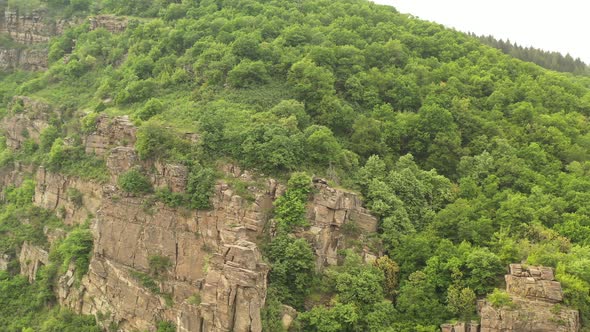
156	141
201	182
194	299
24	308
134	182
152	107
499	299
47	137
461	302
75	196
75	249
290	208
470	159
164	326
159	264
146	281
292	269
272	313
340	317
390	271
248	73
72	160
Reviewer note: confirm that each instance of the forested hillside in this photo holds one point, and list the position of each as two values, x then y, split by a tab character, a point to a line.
470	159
550	60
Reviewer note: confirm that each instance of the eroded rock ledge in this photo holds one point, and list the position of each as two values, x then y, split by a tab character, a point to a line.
217	278
536	297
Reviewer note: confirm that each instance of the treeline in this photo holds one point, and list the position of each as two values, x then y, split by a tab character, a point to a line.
546	59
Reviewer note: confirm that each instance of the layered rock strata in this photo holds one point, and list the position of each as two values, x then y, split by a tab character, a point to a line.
32	59
536	298
29	117
328	212
215	276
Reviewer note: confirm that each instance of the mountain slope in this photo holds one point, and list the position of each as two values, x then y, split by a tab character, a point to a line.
470	159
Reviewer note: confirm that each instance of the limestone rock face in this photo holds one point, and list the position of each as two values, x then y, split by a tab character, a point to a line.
212	256
536	297
110	133
57	193
27	59
4	260
328	211
120	160
13	175
26	28
110	23
31	258
27	120
216	279
172	176
534	283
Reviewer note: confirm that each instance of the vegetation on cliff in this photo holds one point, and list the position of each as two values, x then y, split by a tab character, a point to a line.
470	158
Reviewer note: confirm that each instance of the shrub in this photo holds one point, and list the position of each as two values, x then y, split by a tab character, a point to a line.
75	248
48	136
159	264
290	208
200	185
146	281
89	122
166	327
499	299
155	141
152	107
75	196
248	73
134	182
195	299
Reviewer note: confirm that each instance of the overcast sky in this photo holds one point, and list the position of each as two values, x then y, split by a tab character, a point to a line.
560	26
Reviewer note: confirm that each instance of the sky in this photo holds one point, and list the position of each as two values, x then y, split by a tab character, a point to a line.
559	26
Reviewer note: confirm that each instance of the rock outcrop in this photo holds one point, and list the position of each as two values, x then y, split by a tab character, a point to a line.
214	278
27	120
32	59
31	258
31	28
71	198
110	133
4	260
460	327
536	296
111	23
328	212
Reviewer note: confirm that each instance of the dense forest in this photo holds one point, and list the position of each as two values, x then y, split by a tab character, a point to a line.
546	59
470	158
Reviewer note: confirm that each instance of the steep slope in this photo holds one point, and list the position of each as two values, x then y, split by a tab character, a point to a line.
460	161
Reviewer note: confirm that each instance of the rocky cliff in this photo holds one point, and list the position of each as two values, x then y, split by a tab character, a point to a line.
32	31
215	278
536	298
33	59
27	120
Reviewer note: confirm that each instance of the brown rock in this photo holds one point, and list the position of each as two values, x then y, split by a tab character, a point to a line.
288	316
31	258
172	176
536	297
53	192
34	59
109	133
327	212
111	23
28	123
120	160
